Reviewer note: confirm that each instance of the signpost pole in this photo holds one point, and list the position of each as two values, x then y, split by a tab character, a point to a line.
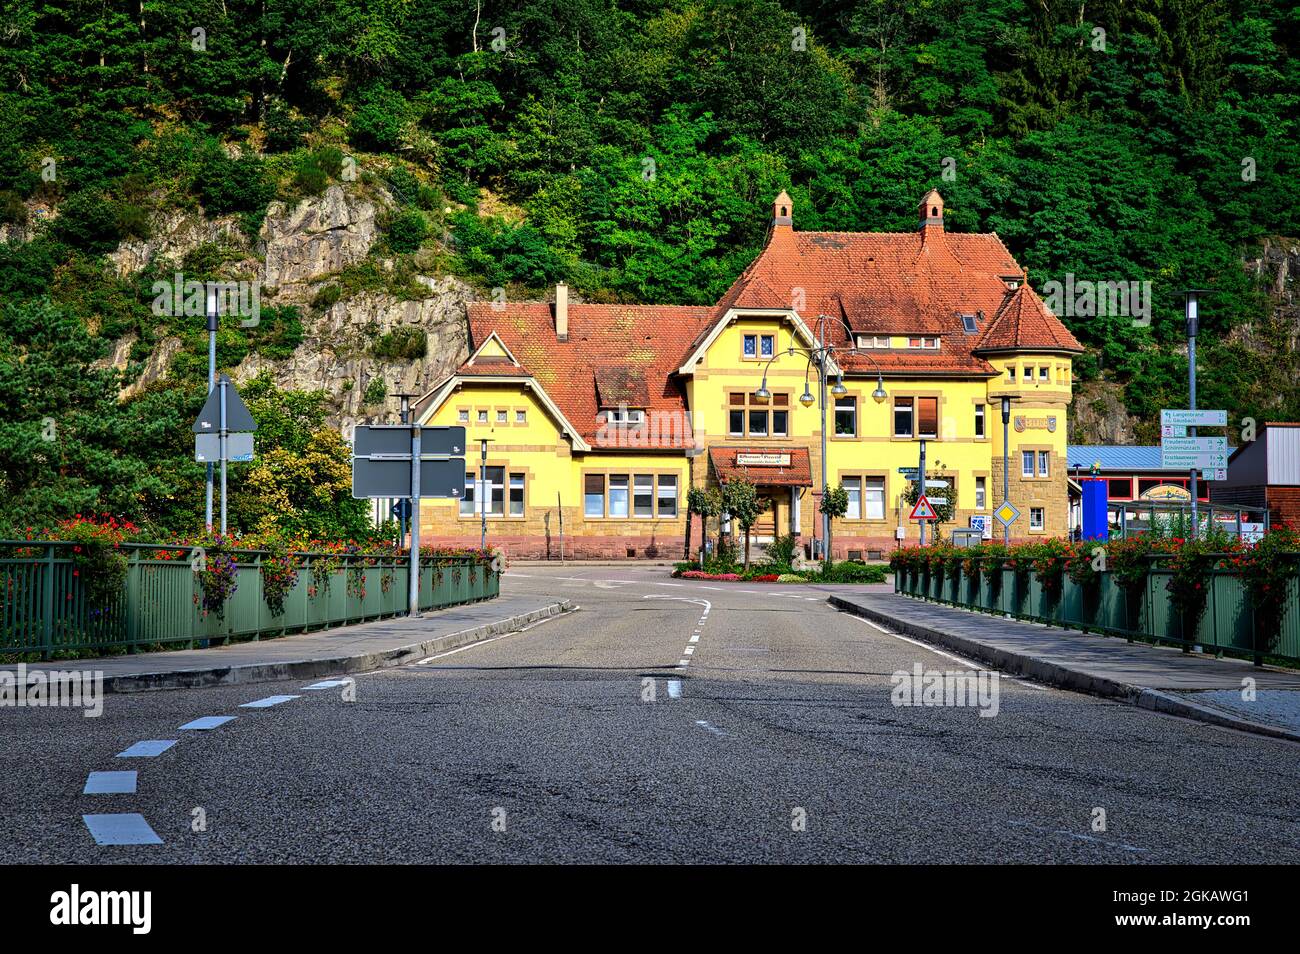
414	591
920	476
222	434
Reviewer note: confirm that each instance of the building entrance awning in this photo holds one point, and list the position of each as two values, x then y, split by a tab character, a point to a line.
763	466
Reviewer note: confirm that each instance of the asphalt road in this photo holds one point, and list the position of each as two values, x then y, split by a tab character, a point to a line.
586	739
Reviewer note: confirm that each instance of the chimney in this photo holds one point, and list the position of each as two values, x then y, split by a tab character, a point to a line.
783	211
561	312
931	211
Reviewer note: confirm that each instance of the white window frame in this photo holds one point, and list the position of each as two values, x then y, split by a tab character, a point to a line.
1041	515
853	487
625	416
1028	472
870	499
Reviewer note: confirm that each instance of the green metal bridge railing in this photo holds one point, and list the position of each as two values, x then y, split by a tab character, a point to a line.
45	608
1226	629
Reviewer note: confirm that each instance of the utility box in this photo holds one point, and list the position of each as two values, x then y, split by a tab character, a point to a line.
1095	522
967	538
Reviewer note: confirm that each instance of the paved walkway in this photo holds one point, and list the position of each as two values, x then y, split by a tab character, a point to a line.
357	648
1156	677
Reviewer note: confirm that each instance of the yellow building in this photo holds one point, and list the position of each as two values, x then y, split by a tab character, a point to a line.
600	417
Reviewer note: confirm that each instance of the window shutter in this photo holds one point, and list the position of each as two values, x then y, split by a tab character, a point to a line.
927	415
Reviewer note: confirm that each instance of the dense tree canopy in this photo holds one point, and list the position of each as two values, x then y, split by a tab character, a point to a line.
629	147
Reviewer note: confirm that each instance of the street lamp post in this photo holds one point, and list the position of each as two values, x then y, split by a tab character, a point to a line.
818	357
1006	461
1191	311
484	493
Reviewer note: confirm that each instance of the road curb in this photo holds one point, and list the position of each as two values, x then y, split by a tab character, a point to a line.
1054	674
312	668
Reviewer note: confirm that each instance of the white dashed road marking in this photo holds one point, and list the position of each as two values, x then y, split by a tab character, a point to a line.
268	702
674	688
327	684
110	783
208	722
695	636
128	828
710	727
147	749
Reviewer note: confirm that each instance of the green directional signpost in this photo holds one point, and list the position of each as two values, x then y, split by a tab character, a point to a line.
408	461
1206	455
223	432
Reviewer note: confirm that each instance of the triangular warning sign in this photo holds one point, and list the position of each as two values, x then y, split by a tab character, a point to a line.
923	510
237	417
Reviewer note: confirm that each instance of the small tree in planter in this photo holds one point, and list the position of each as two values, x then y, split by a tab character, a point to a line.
835	504
740	499
704	504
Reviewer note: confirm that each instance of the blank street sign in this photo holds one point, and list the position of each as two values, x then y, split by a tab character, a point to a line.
207	447
392	478
394	440
390	440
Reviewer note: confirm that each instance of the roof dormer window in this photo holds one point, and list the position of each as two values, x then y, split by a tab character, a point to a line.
1011	281
625	416
873	341
928	343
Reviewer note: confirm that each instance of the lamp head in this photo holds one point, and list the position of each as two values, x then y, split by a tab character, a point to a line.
763	394
839	390
807	399
879	393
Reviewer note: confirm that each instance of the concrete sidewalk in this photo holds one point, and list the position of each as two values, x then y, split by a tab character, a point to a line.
1160	678
366	646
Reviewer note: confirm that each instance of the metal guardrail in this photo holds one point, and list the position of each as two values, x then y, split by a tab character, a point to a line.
1227	627
45	607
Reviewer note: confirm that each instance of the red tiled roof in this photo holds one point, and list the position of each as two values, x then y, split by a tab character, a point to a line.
915	284
901	283
626	352
1024	323
798	473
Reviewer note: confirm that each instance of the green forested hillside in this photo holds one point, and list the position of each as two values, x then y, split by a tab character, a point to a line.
630	147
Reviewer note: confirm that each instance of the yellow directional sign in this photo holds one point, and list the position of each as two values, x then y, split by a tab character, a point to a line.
1006	513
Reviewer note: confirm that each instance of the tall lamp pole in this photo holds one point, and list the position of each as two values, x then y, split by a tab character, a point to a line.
818	357
1191	312
1006	461
212	383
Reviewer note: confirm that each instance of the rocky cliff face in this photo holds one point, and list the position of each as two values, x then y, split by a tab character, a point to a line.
300	249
